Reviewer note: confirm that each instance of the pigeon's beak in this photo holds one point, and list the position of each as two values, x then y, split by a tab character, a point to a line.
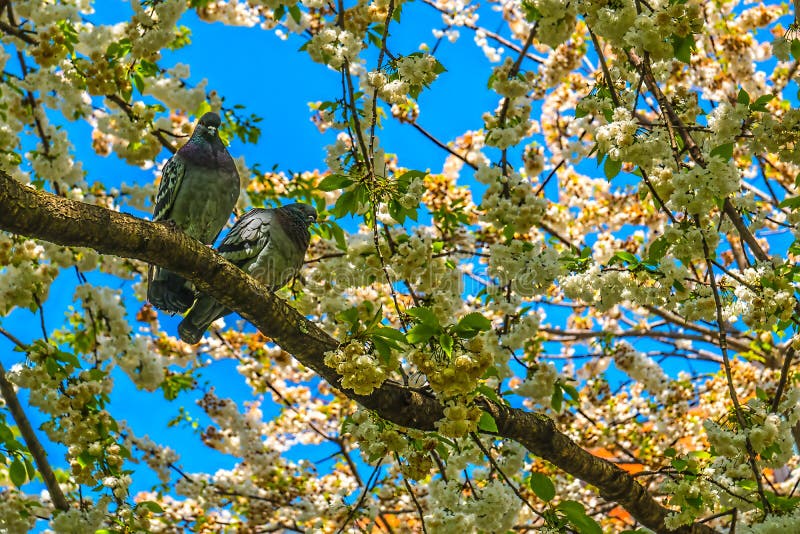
312	219
212	130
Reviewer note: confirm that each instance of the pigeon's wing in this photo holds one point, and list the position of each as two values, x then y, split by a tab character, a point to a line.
248	237
171	178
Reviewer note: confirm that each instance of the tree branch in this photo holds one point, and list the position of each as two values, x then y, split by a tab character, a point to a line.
33	443
41	215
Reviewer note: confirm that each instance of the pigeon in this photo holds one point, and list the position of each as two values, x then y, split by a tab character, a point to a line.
269	244
198	191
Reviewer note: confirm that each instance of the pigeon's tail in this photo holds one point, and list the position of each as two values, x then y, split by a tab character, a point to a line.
167	291
205	311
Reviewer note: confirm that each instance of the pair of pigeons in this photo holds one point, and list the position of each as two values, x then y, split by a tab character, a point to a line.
198	191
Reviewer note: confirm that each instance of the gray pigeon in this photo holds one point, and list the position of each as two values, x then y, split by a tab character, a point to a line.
198	191
269	244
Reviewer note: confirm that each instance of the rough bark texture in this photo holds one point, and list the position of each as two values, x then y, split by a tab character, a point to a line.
41	215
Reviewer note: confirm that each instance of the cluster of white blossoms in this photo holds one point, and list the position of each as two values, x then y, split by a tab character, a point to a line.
763	298
87	519
159	458
171	89
233	12
153	29
413	194
509	200
26	277
529	268
361	371
510	123
770	433
460	418
557	22
641	367
375	438
607	288
648	30
334	47
413	72
456	375
612	21
623	140
539	383
453	512
686	241
726	122
772	524
697	190
392	92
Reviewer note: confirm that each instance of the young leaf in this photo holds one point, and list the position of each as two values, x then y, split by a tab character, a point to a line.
446	342
420	333
611	168
332	182
743	97
724	151
487	423
424	315
542	486
576	514
471	325
17	472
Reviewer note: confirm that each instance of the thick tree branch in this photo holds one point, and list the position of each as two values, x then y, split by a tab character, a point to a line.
34	213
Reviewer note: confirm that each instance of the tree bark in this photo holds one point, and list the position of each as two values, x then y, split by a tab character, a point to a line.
34	213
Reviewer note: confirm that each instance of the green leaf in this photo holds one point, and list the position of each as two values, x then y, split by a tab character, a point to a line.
389	333
626	256
404	179
31	470
471	325
542	486
18	473
790	202
571	391
424	316
67	357
295	13
487	423
576	514
679	464
611	168
682	47
345	204
743	97
761	103
658	248
488	392
724	151
446	342
5	432
338	235
151	506
795	48
420	333
557	398
332	182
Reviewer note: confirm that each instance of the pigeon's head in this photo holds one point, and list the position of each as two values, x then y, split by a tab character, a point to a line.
208	125
302	212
